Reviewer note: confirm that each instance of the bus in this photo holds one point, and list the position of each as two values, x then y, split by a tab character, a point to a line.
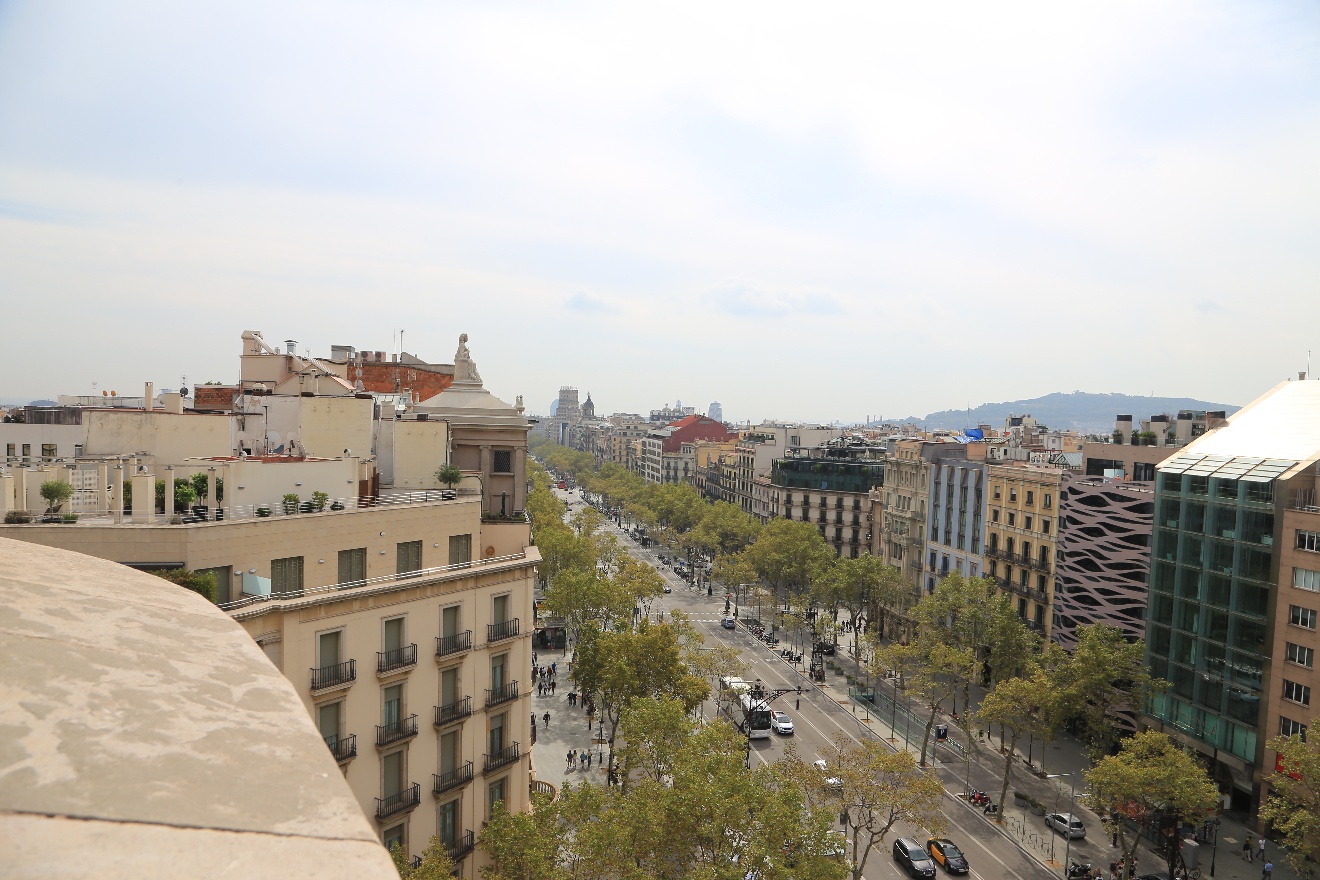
750	715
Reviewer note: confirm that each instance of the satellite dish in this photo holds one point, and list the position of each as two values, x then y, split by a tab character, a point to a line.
183	392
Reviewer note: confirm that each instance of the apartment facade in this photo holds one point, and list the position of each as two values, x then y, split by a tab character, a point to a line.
957	520
1021	532
828	487
901	507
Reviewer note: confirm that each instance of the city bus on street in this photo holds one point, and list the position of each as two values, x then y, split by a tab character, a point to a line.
750	715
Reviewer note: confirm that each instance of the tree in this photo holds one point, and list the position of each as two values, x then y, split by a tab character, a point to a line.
1293	806
1105	675
435	864
55	492
854	584
200	482
450	474
930	668
619	667
587	597
202	583
1150	776
523	845
1020	705
789	555
878	789
653	733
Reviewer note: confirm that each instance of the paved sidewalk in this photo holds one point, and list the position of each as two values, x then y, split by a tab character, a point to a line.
567	730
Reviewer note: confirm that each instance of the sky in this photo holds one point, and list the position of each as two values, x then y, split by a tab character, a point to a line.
805	211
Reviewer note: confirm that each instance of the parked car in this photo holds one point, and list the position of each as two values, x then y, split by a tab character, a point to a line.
781	723
946	854
727	623
668	589
1066	824
912	858
826	648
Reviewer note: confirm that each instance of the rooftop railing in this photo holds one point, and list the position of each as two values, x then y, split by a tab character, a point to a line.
383	579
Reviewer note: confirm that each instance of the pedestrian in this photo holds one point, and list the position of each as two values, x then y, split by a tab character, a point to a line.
1247	846
1113	871
552	687
546	719
568	758
533	721
1260	844
583	759
589	716
554	668
588	760
1269	869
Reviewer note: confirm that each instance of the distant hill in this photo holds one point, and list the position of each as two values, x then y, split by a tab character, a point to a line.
1079	411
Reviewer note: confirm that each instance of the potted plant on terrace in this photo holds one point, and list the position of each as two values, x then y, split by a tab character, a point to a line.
291	501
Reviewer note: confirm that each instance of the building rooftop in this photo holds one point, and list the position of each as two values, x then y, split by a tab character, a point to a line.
1283	423
146	735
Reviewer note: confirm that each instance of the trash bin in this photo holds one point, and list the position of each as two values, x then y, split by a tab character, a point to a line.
1191	853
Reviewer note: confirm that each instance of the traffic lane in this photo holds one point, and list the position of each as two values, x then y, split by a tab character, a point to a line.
817	724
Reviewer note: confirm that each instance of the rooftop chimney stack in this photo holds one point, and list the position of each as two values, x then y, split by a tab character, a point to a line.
149	397
290	346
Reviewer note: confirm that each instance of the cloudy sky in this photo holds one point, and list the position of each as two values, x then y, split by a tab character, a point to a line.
810	211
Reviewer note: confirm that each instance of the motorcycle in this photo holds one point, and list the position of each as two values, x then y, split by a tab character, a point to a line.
1079	870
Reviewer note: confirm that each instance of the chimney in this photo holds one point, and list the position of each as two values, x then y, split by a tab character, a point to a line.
1123	426
291	346
149	397
1301	375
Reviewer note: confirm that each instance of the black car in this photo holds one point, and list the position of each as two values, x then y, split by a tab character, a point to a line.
913	859
945	852
826	648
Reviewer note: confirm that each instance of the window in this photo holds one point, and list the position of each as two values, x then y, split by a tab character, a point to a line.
460	549
449	687
352	565
497	664
1031	498
286	575
1027	523
495	794
48	452
447	827
1288	727
499	609
394	837
1303	617
328	646
1047	502
1296	693
1040	582
1012	518
392	636
994	515
1305	579
496	736
328	720
224	582
27	452
1305	540
1012	494
449	620
1045	526
391	772
410	557
502	461
10	451
1300	655
391	705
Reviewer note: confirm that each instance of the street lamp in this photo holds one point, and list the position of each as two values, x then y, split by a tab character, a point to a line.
1067	832
1214	843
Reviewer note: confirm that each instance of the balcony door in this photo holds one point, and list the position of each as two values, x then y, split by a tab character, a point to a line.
449	687
449	620
328	648
392	709
447	829
448	752
499	611
327	718
497	734
497	671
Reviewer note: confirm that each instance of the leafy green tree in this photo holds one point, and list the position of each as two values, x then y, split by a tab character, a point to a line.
1021	705
202	583
200	483
55	493
585	597
449	474
724	529
435	864
854	585
1105	675
1150	776
931	668
1292	807
789	555
620	666
523	845
653	732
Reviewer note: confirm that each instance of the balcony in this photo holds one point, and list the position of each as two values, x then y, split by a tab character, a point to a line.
399	658
395	804
455	711
461	848
502	694
344	748
459	776
1039	564
499	631
458	643
396	731
502	758
336	676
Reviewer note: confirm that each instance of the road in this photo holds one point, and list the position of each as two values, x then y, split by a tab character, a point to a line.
824	713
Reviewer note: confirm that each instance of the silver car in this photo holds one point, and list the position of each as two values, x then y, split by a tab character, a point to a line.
780	723
1066	824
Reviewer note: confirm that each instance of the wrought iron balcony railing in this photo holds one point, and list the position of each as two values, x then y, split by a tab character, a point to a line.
388	661
502	694
344	748
504	756
442	782
506	630
398	803
333	676
396	731
455	711
455	644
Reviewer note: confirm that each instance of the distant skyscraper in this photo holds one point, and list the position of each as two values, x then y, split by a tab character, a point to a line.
716	412
554	406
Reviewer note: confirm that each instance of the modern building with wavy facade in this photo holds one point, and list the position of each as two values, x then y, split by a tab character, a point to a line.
1104	556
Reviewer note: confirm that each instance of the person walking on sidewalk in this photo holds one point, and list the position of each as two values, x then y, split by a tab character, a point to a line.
569	759
1261	846
546	719
1269	869
1247	848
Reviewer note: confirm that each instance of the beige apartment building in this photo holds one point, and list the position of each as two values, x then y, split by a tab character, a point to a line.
1294	688
1022	528
900	507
